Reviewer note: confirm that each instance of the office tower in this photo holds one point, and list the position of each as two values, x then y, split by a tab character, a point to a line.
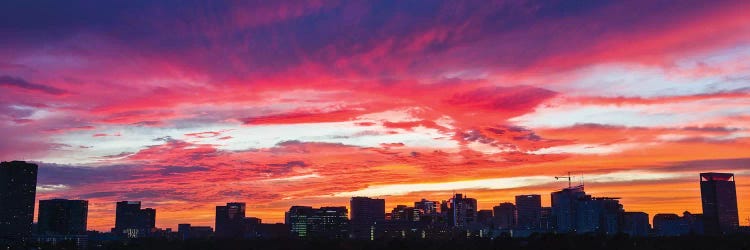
404	213
148	218
17	198
463	211
332	222
132	221
445	209
230	220
366	215
598	215
546	222
297	219
62	217
719	199
564	204
427	207
485	216
635	224
528	211
505	215
184	231
325	222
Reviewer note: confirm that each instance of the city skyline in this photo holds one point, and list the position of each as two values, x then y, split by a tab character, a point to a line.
718	199
490	204
187	106
572	212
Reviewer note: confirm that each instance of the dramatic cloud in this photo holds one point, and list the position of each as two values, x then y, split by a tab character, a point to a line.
186	106
8	81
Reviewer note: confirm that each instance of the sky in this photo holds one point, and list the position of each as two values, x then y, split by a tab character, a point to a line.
186	105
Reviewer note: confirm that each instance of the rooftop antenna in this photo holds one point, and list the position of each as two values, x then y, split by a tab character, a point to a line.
570	185
582	182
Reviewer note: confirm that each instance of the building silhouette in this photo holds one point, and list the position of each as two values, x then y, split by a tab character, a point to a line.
674	225
132	221
404	213
504	215
462	211
528	211
485	217
636	224
427	207
367	217
62	217
564	208
231	221
719	200
668	225
187	231
600	215
546	221
325	222
17	198
62	220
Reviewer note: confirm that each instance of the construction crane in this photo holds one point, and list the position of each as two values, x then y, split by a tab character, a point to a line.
570	179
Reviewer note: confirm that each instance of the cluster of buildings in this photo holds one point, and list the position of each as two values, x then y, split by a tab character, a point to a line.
571	211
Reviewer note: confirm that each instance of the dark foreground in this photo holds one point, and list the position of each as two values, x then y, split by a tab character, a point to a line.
546	242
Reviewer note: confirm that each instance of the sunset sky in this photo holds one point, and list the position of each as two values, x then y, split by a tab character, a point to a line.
186	105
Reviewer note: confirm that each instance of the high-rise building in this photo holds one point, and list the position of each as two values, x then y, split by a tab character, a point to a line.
230	220
297	218
635	224
719	199
404	213
504	215
600	215
546	222
62	217
564	204
132	221
427	207
367	214
485	217
17	198
528	210
325	222
462	211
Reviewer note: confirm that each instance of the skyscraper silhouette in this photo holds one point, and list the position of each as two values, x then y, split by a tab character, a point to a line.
504	215
62	217
230	220
528	210
17	197
366	214
463	210
564	206
719	200
324	222
132	221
